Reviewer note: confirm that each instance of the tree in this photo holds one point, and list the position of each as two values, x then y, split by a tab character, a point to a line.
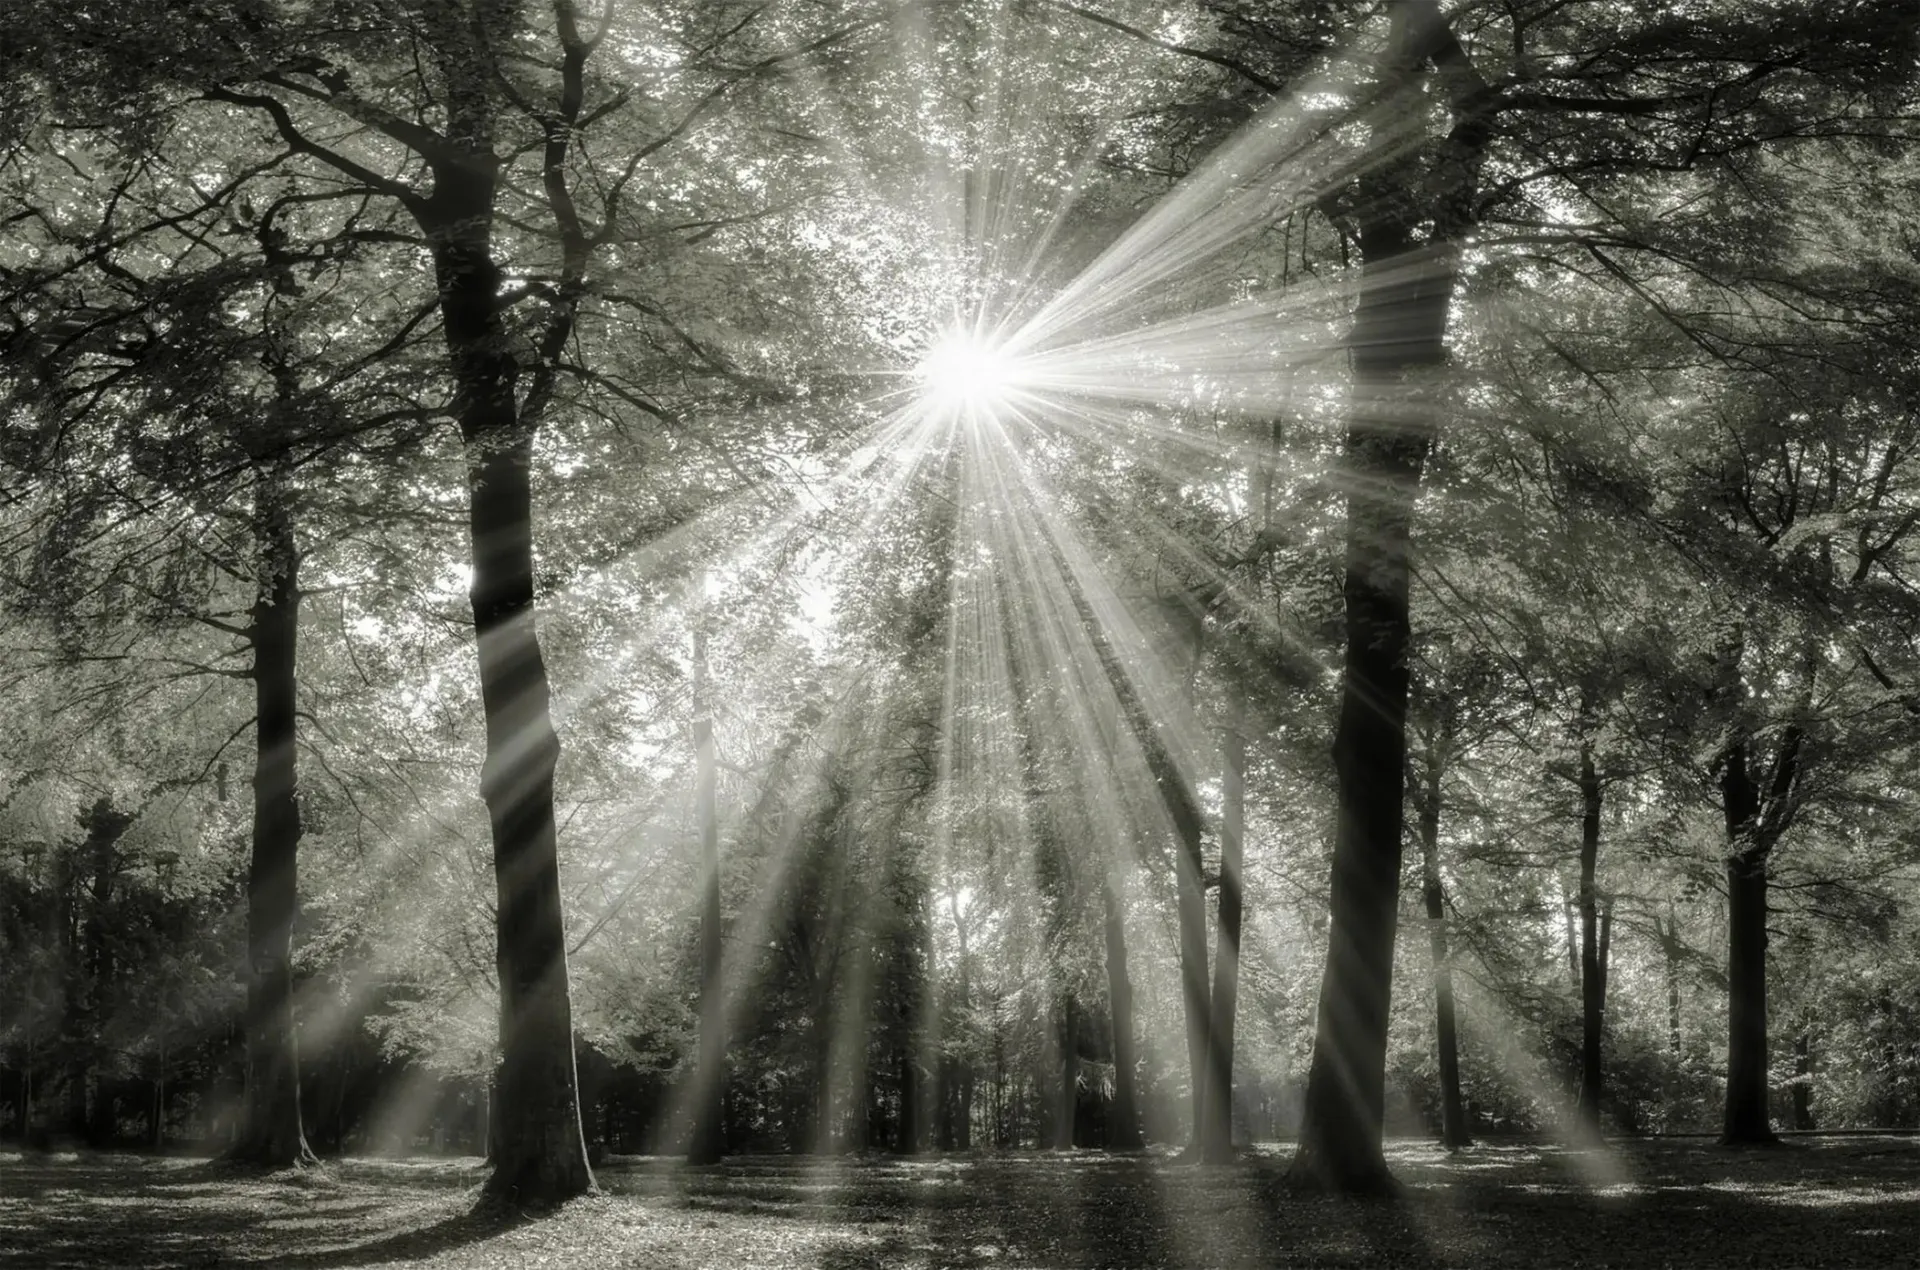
708	1079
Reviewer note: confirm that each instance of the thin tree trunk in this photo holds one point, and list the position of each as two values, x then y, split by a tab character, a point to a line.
963	1093
1747	1121
963	1135
1803	1079
104	827
1670	965
907	1076
1069	1072
157	1129
1593	984
77	1024
271	1133
1001	1137
1454	1133
709	1075
157	1118
26	1095
822	1129
1190	896
943	1104
77	1125
1124	1134
1570	922
1217	1144
1755	817
860	1109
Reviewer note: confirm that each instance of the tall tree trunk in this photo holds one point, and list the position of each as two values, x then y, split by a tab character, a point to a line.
1454	1133
1190	897
907	1076
77	1024
963	1086
1217	1144
1756	816
1670	966
963	1111
1593	983
1747	1120
270	1131
1124	1134
77	1123
1570	922
822	1129
944	1081
1673	1009
157	1114
26	1094
1803	1079
709	1074
860	1104
104	828
1399	330
539	1141
1399	327
998	1100
1069	1098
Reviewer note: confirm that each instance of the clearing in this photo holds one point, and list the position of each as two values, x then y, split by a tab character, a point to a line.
1845	1201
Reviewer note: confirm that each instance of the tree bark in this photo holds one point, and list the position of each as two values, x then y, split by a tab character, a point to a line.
963	1087
157	1114
943	1100
1069	1096
1217	1143
1803	1080
963	1111
908	1077
1593	982
271	1133
1124	1134
1399	327
1570	921
1454	1132
104	828
1747	1121
540	1144
822	1131
709	1074
1190	897
1670	967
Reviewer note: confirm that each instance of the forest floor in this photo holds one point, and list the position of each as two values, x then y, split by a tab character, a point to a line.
1841	1201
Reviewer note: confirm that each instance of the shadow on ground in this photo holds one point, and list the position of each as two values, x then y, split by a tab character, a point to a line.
1846	1202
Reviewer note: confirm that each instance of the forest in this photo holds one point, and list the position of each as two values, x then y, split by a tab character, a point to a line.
959	632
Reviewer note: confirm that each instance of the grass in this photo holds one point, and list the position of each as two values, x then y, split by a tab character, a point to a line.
1851	1201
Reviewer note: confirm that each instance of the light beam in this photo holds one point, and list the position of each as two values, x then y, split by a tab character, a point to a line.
964	373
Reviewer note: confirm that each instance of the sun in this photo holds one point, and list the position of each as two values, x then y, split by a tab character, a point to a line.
963	373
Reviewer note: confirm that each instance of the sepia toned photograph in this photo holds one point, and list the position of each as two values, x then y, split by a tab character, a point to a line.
869	634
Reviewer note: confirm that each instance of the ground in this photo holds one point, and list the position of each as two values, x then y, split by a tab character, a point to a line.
1844	1201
